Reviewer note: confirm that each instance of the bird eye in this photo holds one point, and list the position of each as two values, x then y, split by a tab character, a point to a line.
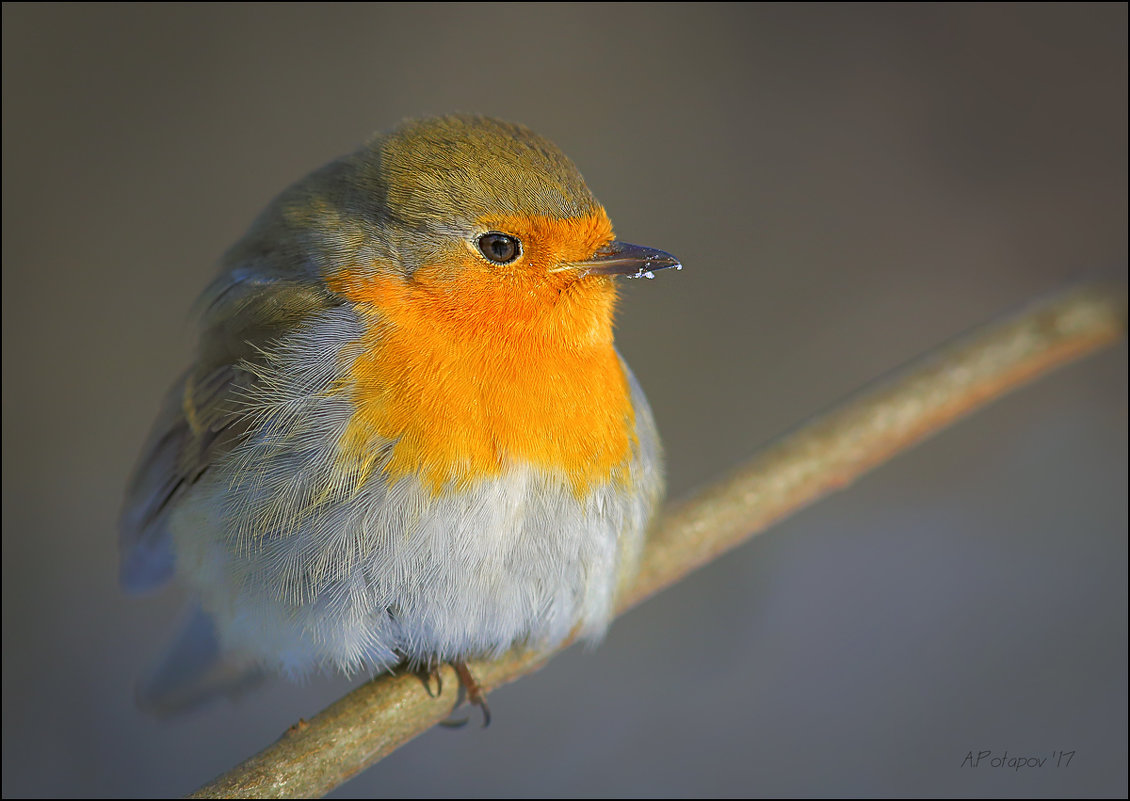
499	248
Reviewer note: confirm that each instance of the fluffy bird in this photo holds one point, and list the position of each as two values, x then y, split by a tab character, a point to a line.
407	437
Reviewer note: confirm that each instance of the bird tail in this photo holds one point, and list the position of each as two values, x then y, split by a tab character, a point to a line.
194	671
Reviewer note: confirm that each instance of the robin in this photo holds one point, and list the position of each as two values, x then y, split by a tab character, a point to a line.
407	437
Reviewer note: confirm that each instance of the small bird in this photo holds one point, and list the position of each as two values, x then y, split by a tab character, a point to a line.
407	438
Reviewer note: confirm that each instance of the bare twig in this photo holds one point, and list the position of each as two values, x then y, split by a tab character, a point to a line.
826	454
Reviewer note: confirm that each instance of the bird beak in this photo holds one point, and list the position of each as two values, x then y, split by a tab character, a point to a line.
621	258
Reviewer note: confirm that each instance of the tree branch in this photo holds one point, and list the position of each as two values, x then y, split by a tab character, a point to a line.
826	454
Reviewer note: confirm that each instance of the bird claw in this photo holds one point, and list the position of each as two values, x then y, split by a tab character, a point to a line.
475	694
469	690
433	673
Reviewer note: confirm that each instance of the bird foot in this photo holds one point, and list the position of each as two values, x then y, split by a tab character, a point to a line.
475	696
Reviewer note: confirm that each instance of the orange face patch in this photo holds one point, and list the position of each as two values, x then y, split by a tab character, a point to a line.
469	367
549	242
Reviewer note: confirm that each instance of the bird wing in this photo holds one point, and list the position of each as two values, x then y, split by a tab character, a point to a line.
202	417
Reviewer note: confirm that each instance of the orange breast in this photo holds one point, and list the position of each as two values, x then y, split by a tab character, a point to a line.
468	374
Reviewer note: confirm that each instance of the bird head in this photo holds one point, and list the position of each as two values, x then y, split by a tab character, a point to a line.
486	216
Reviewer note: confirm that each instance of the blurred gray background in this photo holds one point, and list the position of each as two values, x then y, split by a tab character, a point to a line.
848	186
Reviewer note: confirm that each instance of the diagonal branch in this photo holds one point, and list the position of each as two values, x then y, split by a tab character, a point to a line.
821	456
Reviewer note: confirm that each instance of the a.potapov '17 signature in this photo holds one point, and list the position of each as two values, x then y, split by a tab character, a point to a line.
991	759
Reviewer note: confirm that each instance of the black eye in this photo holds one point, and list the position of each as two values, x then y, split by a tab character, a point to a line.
499	248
